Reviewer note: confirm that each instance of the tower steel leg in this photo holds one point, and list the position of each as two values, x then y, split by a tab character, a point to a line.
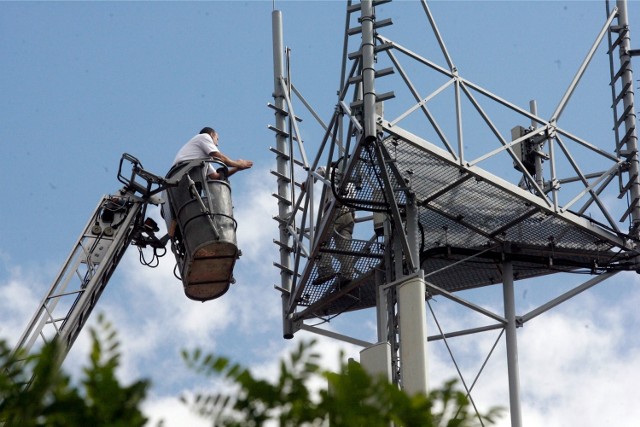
382	309
283	171
368	70
512	344
630	119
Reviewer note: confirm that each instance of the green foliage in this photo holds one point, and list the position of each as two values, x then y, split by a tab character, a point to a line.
110	403
353	397
256	400
51	400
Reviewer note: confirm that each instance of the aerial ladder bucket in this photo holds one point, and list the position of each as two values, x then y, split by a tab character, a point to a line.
204	242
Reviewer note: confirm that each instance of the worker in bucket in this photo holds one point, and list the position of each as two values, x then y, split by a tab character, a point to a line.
201	146
204	145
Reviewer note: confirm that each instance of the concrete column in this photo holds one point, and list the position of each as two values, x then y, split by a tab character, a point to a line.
413	335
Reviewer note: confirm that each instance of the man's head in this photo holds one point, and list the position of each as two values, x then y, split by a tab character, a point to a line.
211	132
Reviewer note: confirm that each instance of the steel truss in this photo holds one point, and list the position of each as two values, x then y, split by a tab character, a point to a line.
118	221
429	207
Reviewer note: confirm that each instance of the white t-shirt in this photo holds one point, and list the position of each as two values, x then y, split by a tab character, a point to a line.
197	147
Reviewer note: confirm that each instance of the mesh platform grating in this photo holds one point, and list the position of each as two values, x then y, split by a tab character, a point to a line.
463	213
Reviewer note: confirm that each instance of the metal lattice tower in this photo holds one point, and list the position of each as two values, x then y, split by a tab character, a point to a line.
432	217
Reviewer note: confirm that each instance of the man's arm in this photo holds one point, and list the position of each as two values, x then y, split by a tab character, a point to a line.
239	164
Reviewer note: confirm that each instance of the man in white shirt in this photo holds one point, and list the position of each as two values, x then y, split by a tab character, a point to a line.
205	145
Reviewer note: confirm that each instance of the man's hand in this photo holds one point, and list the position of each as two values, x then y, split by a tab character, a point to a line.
244	164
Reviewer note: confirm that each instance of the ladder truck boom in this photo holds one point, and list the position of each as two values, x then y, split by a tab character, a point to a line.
204	245
117	222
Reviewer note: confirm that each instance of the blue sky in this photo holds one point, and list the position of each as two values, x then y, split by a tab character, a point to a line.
83	82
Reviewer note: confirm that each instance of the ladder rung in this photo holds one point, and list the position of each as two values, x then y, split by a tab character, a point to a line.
626	187
284	269
285	178
377	49
626	136
624	116
623	69
383	23
385	96
282	111
379	73
616	43
380	97
282	133
622	94
627	153
354	55
377	24
282	221
282	199
383	46
278	109
356	7
282	290
355	30
278	131
632	205
64	294
616	28
281	176
58	320
279	153
283	246
385	72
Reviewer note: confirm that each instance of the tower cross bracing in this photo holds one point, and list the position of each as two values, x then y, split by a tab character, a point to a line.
448	179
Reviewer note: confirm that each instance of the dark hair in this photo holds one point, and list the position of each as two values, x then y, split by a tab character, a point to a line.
208	130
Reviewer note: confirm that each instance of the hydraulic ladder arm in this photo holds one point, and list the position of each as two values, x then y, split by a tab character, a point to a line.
117	222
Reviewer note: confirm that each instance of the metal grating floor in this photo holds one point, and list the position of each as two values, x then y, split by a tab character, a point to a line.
468	222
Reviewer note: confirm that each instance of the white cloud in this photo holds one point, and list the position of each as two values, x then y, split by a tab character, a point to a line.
18	302
256	305
172	413
575	365
254	208
155	320
575	361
